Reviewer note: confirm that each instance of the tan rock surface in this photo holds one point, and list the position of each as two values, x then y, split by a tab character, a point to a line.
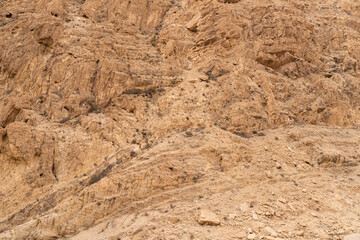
208	217
123	119
354	236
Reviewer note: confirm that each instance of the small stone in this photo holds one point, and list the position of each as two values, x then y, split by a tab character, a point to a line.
208	217
314	214
304	190
244	207
278	165
303	224
226	44
251	236
315	199
193	23
282	200
203	77
299	233
354	236
291	207
254	215
269	238
170	47
232	216
271	231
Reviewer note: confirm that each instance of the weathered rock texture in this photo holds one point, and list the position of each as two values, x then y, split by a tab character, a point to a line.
122	119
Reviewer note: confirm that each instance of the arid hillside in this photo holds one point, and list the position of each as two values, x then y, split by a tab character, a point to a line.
214	119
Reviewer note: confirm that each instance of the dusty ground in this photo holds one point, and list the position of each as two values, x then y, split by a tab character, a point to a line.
280	186
128	119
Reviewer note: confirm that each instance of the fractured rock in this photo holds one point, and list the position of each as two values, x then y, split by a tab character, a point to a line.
271	231
208	217
193	23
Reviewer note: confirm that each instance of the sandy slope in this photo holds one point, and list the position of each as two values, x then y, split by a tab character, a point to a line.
280	186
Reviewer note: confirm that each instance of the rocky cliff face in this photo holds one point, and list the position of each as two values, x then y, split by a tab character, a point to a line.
116	114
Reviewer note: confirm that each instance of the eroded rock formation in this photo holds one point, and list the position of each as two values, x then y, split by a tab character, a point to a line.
109	107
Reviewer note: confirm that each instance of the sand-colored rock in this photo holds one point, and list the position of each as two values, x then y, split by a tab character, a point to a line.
208	217
122	119
270	231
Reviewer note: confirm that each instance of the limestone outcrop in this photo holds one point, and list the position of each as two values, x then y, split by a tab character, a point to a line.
114	114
